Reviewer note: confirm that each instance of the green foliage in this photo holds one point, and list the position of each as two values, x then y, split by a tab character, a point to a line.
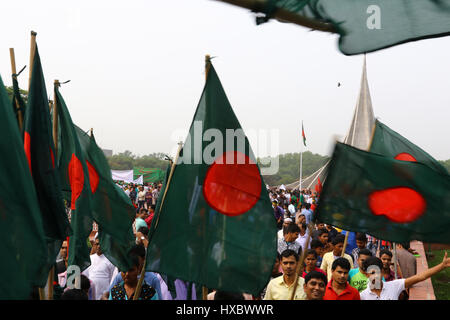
23	93
440	281
289	167
289	164
127	161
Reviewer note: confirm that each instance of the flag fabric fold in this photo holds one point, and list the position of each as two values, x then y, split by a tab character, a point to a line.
111	207
390	199
40	152
22	237
74	175
389	143
216	226
370	25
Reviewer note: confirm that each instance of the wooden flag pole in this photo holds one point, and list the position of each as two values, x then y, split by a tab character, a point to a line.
207	67
345	243
283	15
14	72
32	52
55	116
302	258
395	260
137	292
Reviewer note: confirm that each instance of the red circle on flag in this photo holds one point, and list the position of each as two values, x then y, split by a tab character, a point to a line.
232	185
405	157
399	204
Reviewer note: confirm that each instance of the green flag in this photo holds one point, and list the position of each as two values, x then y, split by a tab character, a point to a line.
22	240
370	25
74	176
40	152
111	207
389	143
150	175
216	225
390	199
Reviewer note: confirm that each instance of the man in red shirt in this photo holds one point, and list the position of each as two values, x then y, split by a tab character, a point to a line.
338	288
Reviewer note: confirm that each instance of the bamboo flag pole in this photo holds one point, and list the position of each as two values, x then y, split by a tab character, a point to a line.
302	258
32	52
55	116
283	15
137	292
207	67
345	243
14	72
395	260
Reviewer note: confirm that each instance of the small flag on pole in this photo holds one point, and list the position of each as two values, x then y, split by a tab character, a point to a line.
303	135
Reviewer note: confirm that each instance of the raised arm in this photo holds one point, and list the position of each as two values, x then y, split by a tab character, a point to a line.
409	282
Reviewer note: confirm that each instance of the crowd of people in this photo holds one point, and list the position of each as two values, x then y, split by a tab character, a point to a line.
363	270
311	261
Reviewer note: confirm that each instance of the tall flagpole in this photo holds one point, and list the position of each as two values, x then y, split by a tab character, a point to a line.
301	162
301	167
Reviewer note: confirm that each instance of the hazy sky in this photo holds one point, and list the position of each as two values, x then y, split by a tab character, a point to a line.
137	72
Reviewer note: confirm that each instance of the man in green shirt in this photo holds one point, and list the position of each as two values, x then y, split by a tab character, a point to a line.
356	277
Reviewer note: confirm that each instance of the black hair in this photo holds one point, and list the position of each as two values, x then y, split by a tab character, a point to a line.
322	231
226	295
143	230
288	253
74	294
341	262
361	236
405	245
316	244
385	251
134	259
315	275
372	261
311	251
85	283
137	249
291	228
340	238
365	252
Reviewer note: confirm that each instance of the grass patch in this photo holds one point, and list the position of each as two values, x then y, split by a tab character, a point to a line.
440	281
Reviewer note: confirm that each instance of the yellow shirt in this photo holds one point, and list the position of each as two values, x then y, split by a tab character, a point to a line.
277	289
327	262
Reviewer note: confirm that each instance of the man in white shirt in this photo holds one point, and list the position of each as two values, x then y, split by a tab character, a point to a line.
303	236
100	272
286	222
379	290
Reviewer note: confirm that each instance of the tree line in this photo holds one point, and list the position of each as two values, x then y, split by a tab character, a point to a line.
289	164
